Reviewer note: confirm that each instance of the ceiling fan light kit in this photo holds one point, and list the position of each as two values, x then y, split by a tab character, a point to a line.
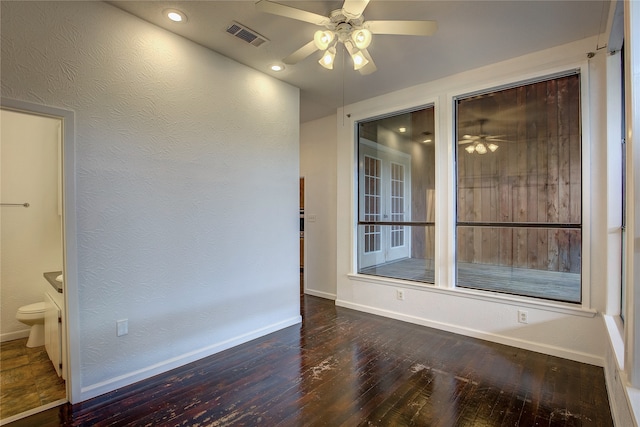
481	143
346	26
481	148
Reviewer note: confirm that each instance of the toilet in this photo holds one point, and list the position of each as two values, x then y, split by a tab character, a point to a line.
33	315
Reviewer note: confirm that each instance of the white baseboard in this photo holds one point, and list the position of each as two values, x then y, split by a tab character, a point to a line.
94	390
320	294
10	336
487	336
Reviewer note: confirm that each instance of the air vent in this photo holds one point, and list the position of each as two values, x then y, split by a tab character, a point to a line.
246	34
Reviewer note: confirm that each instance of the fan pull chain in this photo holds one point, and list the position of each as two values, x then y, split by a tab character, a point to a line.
343	77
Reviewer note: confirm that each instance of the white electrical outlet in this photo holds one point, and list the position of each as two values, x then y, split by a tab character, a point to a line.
523	316
122	327
400	294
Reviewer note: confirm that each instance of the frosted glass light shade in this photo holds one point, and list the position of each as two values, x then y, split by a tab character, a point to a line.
359	60
361	38
323	39
327	59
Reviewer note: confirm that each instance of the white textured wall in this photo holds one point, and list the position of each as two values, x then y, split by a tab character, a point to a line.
574	332
31	238
318	166
187	186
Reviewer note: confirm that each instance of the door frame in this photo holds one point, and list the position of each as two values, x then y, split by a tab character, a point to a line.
69	233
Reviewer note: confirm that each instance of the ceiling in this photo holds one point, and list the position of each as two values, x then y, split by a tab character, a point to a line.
471	34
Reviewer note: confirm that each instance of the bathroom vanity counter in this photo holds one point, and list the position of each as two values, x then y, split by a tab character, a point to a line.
51	278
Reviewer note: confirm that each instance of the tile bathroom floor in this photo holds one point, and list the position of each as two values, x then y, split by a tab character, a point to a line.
27	378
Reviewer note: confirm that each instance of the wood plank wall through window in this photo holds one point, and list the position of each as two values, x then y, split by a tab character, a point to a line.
519	190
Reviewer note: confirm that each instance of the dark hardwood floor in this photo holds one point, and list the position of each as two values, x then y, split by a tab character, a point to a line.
346	368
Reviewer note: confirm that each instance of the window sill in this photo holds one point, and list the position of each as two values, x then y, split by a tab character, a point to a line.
558	307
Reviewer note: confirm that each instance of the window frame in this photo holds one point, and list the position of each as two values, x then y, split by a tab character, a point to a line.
407	224
518	79
569	226
441	98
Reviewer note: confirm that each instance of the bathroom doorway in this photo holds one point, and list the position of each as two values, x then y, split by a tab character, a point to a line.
31	241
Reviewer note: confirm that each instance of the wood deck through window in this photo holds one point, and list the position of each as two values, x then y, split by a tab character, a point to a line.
554	285
347	368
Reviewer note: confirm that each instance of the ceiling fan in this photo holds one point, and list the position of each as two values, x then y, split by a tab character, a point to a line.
346	26
481	143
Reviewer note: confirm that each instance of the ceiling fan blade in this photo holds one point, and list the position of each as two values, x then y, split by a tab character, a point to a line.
301	53
291	12
407	28
466	138
370	67
353	9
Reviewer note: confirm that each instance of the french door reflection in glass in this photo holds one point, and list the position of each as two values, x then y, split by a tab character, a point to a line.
384	180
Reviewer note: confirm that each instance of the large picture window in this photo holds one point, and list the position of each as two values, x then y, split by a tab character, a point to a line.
396	196
519	190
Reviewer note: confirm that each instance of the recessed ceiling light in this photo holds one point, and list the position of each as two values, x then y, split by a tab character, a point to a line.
277	67
175	15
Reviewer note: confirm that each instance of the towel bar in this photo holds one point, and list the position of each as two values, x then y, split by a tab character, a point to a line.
26	205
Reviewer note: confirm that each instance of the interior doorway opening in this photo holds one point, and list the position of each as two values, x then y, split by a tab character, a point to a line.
33	246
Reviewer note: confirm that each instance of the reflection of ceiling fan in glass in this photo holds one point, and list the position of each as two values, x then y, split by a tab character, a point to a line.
481	143
346	26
